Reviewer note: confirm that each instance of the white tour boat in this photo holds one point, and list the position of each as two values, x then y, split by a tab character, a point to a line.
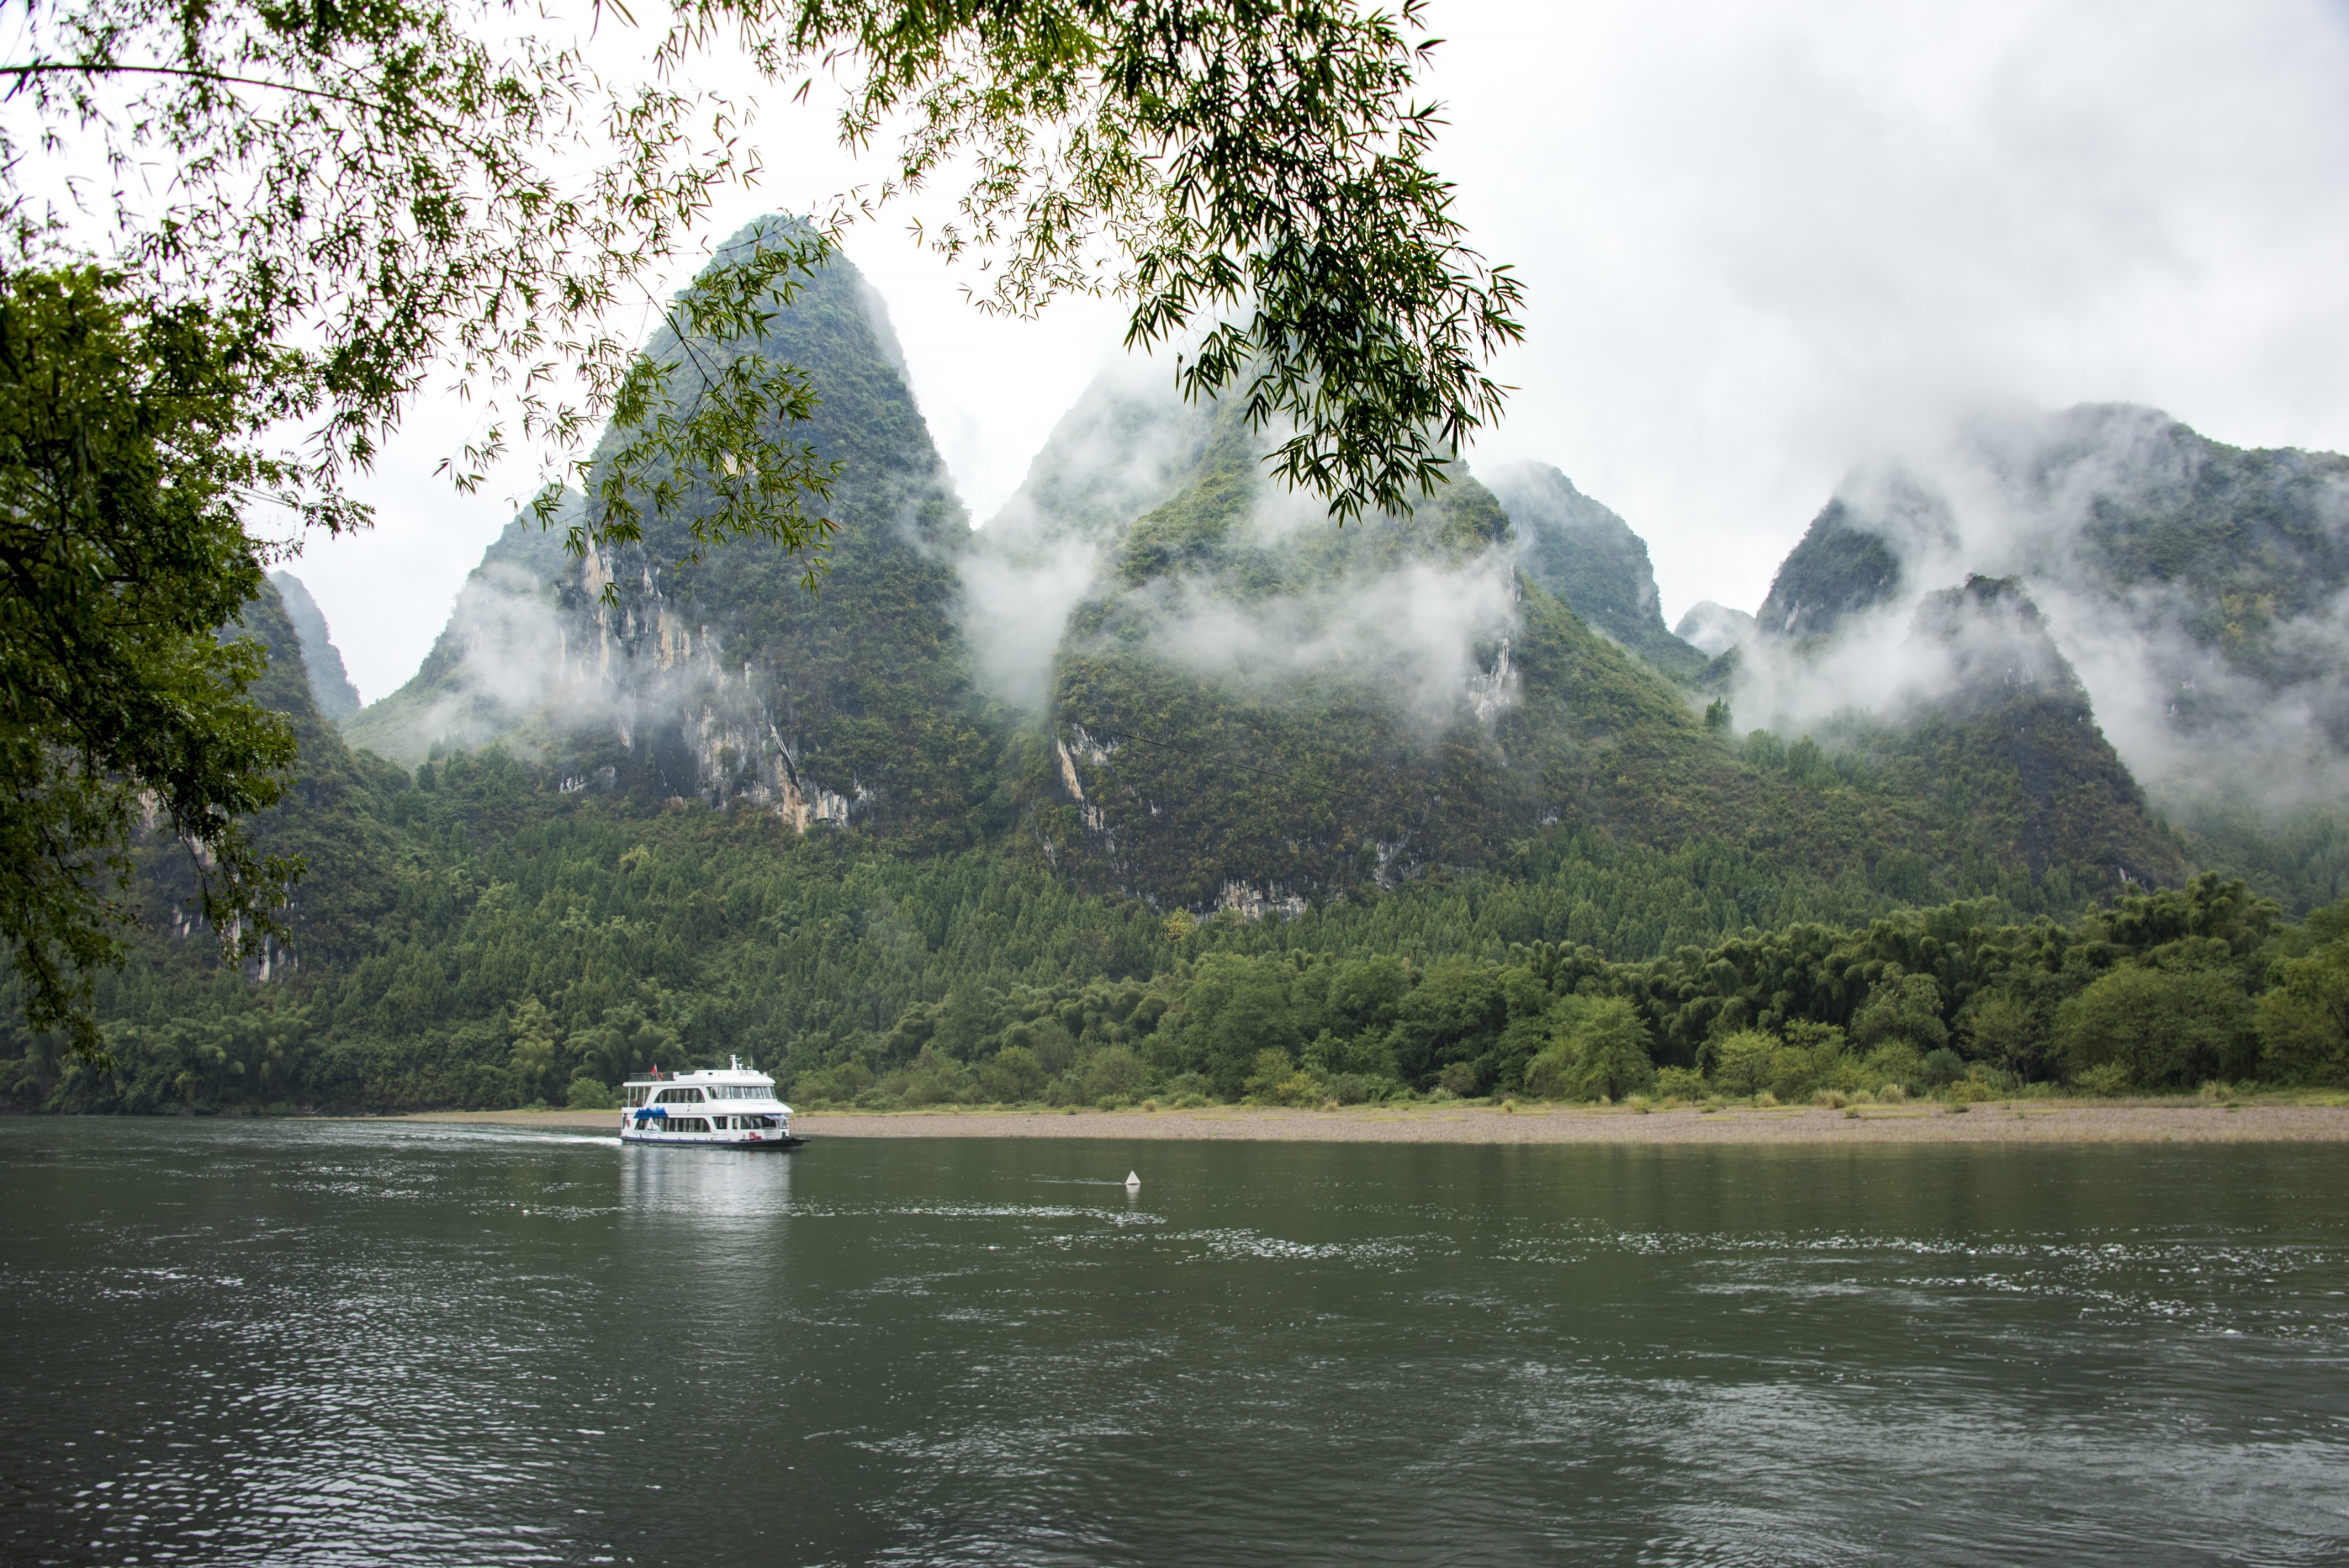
727	1107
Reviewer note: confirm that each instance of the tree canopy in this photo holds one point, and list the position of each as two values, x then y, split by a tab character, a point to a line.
122	470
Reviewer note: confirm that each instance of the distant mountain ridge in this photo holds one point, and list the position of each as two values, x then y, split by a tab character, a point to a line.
1177	682
330	683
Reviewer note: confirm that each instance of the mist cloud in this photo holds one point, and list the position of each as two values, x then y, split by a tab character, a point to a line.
2022	494
1122	450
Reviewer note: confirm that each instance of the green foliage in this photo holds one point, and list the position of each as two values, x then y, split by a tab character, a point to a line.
127	443
2165	1027
2003	1029
1742	1061
1838	569
1903	1009
1261	162
1608	1042
383	194
2304	1021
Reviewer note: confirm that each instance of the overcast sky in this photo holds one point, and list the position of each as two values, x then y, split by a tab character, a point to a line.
1760	242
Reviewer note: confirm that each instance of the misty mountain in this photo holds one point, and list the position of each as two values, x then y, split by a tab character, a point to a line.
723	680
2201	590
330	683
1251	707
1590	558
1713	629
1841	568
2008	741
1172	679
1126	446
490	673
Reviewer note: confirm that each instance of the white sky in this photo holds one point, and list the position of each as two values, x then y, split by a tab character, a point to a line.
1759	242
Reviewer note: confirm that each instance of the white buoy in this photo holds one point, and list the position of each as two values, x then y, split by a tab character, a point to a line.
1132	1181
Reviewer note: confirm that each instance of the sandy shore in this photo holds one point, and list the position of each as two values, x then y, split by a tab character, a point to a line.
2023	1122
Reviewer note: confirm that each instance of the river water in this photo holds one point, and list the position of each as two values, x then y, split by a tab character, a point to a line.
323	1342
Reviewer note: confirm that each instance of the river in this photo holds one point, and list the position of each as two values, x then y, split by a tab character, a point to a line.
368	1343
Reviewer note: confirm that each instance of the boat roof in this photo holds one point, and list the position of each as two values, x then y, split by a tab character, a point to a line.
737	1074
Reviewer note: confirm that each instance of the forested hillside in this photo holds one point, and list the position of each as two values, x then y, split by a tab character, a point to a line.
1261	710
1420	806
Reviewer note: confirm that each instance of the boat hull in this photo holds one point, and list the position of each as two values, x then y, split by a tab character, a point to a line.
713	1140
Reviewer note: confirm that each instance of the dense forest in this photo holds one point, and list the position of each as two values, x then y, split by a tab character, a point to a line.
536	947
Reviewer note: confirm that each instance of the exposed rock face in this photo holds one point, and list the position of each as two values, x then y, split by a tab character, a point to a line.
330	683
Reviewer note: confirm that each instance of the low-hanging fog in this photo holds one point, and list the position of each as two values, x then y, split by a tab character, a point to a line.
1130	445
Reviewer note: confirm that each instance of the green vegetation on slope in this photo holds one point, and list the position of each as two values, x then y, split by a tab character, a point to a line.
1592	561
330	683
1839	568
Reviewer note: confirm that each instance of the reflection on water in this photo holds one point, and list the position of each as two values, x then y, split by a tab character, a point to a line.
711	1185
339	1343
